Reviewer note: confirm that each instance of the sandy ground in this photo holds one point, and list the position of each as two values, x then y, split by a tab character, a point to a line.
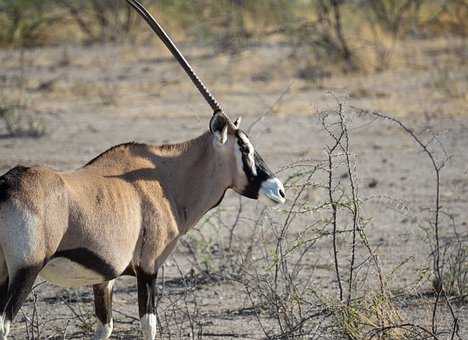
90	98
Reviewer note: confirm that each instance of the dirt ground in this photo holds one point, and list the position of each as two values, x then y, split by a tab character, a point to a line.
90	98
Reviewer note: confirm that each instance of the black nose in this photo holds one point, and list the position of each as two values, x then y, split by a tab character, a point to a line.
281	192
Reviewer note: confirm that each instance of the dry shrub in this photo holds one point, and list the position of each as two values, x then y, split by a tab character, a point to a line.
353	298
366	315
17	117
25	22
446	18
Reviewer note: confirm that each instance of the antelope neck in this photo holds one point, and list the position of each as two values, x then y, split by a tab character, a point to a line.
201	179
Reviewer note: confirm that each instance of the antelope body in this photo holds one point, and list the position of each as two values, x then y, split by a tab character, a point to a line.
120	214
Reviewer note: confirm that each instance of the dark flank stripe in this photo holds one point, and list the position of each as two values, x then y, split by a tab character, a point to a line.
89	260
129	271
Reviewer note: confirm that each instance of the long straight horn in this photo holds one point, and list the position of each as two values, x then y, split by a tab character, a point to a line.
176	53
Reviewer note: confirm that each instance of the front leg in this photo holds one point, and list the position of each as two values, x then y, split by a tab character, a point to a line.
147	303
103	309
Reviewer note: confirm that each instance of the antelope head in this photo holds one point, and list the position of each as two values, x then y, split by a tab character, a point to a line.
250	176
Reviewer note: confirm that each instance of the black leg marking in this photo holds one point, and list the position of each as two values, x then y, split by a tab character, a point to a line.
18	290
146	293
3	296
103	302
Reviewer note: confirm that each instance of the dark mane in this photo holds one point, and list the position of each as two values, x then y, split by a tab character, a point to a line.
183	146
111	149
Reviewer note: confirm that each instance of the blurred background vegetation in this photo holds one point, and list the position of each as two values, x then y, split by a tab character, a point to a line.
354	34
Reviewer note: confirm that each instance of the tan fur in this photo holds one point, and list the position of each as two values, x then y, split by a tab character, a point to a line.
129	205
122	213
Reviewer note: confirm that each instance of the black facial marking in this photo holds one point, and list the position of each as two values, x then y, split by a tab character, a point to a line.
254	183
89	260
263	173
103	302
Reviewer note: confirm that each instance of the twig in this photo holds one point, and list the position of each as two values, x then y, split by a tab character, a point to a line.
333	205
269	110
437	167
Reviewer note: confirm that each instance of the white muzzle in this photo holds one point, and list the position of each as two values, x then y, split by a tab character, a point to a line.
272	189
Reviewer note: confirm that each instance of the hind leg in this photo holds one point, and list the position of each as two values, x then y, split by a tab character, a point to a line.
19	286
146	284
24	247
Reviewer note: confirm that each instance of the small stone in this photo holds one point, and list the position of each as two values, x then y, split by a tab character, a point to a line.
372	183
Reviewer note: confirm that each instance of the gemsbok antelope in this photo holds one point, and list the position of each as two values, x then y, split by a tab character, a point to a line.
122	213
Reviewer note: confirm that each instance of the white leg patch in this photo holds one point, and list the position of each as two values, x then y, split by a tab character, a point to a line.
148	326
103	331
4	328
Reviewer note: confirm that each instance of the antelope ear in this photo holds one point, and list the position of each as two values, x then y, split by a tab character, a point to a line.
237	122
219	127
